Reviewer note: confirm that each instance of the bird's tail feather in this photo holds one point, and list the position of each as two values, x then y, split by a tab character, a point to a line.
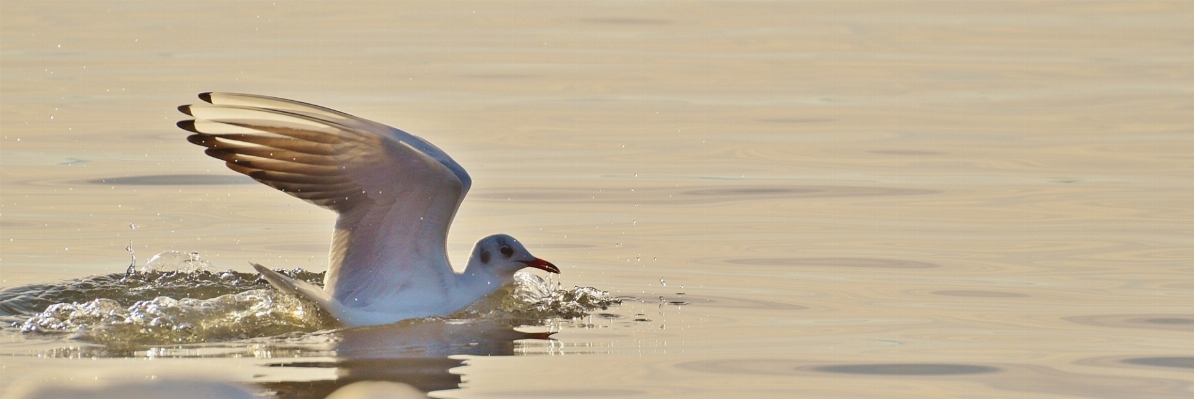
297	287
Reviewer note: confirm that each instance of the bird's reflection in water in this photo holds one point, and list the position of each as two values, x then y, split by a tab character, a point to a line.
417	354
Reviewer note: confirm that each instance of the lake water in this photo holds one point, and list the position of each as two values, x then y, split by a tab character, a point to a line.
813	199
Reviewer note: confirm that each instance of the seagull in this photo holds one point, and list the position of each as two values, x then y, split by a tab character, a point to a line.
395	195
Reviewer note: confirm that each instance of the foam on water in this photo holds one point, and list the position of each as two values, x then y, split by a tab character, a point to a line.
531	300
254	313
180	299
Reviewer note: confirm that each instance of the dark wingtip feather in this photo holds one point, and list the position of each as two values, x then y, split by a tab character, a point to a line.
223	155
188	125
205	97
203	140
186	109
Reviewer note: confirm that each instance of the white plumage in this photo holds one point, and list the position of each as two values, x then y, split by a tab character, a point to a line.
395	194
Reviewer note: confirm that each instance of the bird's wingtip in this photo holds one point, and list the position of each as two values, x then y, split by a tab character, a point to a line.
186	109
206	97
188	125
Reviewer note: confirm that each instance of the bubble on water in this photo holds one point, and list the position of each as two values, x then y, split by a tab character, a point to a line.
176	261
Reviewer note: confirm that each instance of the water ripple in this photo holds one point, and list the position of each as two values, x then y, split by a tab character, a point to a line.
1153	321
835	262
173	180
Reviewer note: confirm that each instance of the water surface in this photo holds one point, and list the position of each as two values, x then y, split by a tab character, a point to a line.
829	200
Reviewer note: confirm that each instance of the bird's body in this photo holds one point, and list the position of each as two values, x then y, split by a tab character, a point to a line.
395	194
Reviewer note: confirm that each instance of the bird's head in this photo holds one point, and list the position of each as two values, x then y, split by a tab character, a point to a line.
503	255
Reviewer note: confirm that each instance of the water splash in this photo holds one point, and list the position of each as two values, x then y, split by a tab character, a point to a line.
173	261
249	314
156	306
133	256
532	300
179	298
133	259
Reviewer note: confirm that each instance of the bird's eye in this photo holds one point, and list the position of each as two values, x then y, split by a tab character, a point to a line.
506	251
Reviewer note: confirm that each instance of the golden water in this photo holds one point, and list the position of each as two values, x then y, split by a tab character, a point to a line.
891	199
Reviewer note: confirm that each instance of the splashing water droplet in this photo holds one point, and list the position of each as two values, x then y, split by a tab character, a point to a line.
661	282
132	259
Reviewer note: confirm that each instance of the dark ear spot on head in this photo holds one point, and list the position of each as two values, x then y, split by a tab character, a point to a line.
484	256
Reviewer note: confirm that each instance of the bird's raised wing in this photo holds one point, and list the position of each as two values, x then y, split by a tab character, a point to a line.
395	193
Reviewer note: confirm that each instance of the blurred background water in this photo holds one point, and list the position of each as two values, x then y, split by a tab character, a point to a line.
862	199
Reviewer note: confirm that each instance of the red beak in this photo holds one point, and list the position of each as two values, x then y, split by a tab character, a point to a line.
541	265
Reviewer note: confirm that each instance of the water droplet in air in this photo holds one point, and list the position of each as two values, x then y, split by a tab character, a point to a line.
663	283
133	259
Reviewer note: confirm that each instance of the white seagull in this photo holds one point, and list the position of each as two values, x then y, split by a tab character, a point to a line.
395	195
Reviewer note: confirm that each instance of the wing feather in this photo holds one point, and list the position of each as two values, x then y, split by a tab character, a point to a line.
234	141
296	108
395	193
274	153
